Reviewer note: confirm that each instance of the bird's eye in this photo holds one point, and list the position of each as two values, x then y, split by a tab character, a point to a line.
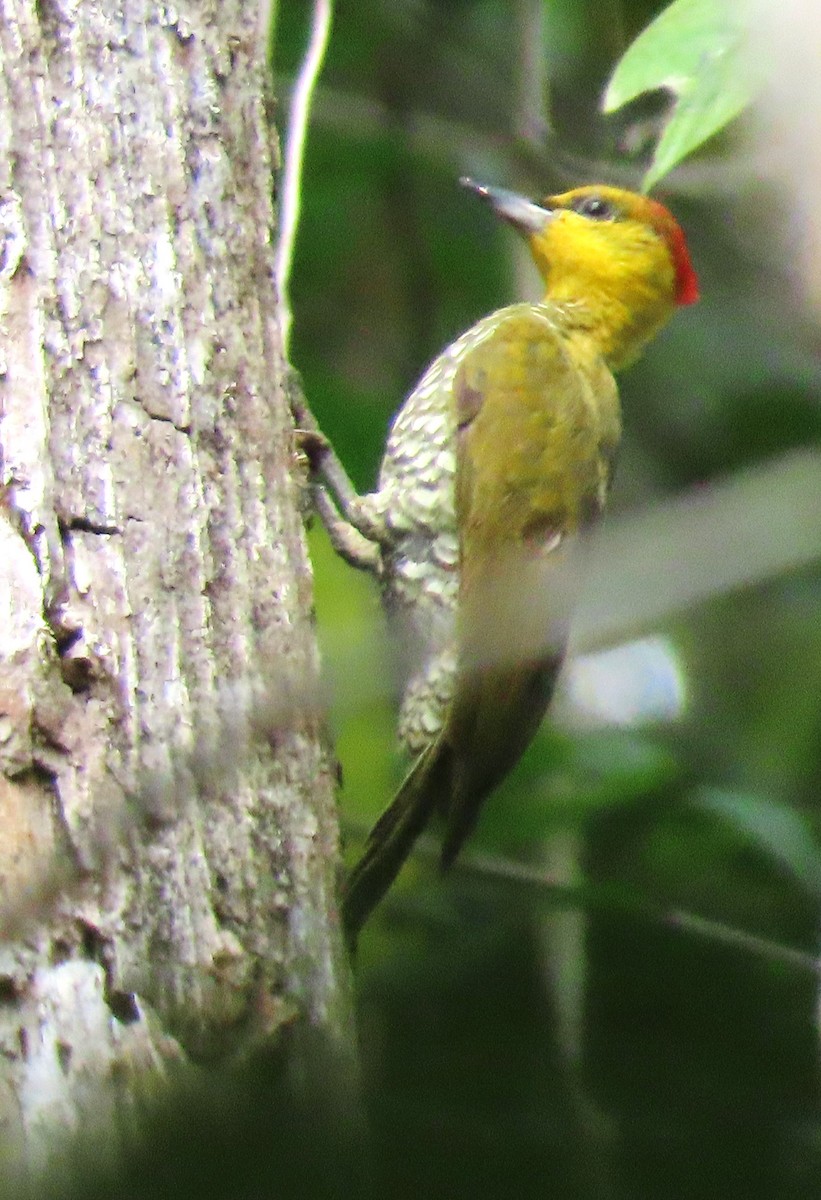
594	207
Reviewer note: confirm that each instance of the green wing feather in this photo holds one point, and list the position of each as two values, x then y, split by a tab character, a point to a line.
536	436
531	473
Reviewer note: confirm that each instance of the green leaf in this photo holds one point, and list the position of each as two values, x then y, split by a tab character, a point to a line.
785	835
567	780
696	50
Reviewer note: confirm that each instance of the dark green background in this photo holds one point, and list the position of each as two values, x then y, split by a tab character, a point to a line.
683	1068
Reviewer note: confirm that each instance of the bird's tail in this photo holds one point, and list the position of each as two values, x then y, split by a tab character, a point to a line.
392	837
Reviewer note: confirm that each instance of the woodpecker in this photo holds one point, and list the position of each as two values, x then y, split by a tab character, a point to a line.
497	463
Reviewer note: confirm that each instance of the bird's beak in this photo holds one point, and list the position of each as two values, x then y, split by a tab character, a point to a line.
526	217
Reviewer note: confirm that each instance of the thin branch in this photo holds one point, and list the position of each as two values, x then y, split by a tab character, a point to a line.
459	146
291	183
498	870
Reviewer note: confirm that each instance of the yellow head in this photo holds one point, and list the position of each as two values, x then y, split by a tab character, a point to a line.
615	262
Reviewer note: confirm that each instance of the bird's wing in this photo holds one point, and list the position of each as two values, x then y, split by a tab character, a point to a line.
532	471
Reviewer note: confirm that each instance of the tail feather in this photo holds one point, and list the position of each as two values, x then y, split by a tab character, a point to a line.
392	837
492	722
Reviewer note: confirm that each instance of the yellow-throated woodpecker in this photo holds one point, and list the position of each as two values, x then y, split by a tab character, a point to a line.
497	462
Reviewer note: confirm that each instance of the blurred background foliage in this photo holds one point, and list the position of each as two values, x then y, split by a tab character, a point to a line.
544	1020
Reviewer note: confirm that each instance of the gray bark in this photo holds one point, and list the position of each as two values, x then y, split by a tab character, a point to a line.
167	864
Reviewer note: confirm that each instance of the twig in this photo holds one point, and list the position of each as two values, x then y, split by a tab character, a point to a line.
705	928
500	870
443	141
291	184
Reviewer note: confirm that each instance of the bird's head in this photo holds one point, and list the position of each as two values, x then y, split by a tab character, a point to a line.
615	262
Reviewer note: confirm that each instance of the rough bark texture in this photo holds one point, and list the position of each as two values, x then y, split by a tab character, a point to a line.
169	838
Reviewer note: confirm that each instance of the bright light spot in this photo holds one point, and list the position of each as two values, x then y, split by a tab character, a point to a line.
636	683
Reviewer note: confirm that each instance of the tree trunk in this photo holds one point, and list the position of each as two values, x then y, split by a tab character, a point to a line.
167	866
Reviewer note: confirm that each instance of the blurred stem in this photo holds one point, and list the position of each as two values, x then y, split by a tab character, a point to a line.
564	954
403	215
531	119
564	943
611	15
704	543
291	181
412	249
